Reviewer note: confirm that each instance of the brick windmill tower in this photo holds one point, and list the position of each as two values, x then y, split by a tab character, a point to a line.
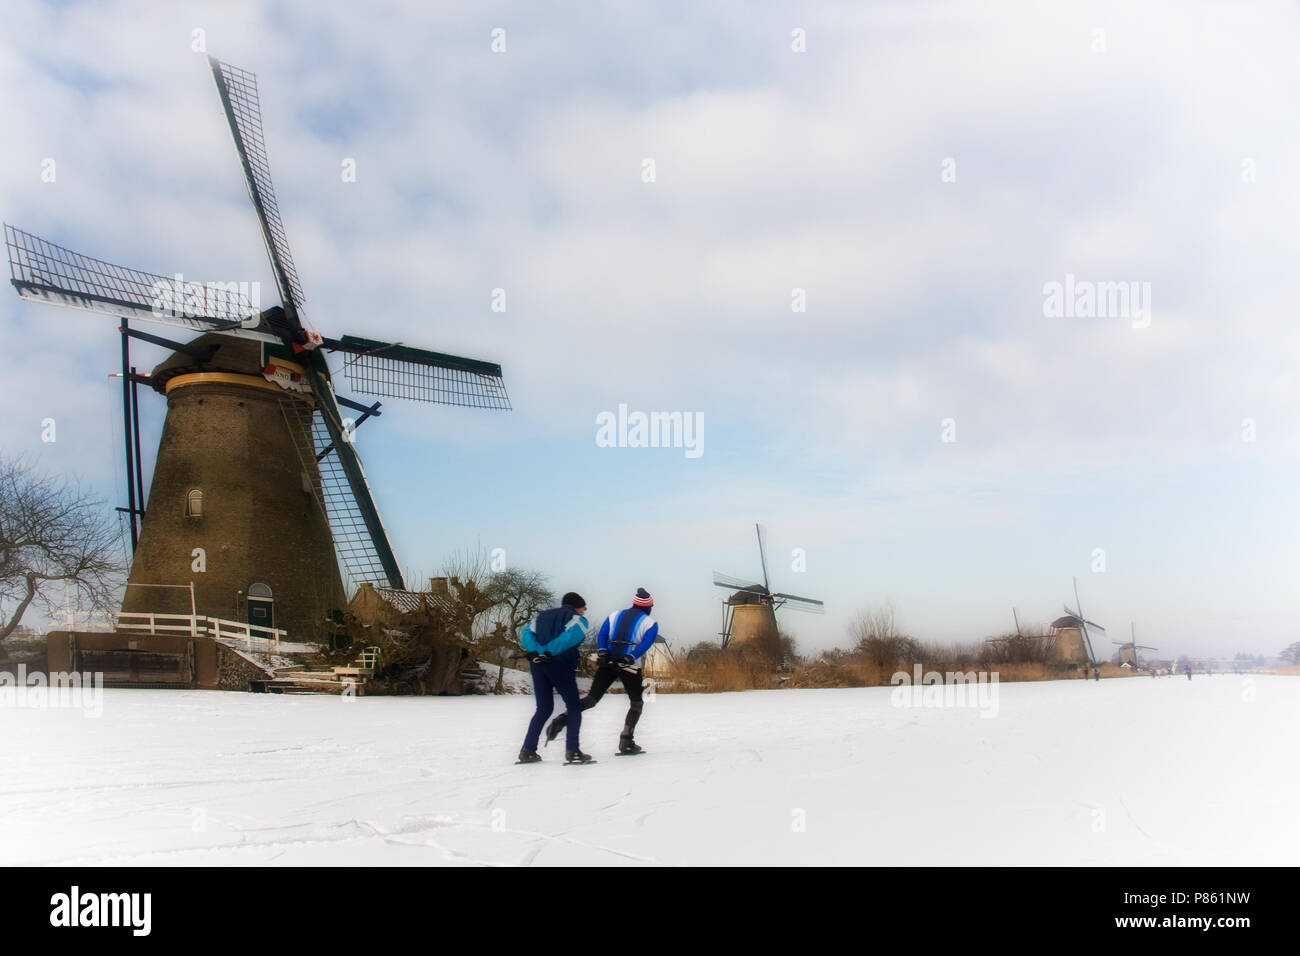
1071	640
258	497
749	612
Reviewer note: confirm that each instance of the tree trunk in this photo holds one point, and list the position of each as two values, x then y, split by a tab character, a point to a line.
21	609
444	671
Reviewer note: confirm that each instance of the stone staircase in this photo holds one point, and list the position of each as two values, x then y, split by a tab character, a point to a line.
322	678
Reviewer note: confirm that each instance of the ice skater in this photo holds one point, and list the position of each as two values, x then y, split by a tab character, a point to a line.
1189	671
552	638
624	638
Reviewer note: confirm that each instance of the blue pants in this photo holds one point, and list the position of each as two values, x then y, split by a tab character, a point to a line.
548	677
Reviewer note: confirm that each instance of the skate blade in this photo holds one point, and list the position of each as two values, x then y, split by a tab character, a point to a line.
635	753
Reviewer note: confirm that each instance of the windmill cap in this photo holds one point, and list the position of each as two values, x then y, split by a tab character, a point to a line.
643	598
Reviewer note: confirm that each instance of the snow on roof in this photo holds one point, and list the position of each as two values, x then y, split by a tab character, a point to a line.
407	601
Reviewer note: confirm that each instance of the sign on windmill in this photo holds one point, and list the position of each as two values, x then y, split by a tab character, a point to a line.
749	612
258	494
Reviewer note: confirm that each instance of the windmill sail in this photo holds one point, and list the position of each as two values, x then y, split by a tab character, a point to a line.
393	370
735	584
762	556
800	603
45	272
359	536
238	90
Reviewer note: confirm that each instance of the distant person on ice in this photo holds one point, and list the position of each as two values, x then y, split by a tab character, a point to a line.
1189	671
552	639
624	638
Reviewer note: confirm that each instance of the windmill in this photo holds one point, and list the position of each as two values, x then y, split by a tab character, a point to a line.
749	612
1072	644
1128	650
258	496
1020	646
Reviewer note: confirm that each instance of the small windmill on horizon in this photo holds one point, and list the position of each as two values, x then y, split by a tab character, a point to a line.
749	612
1128	650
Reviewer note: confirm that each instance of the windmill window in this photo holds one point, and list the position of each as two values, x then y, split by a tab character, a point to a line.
194	504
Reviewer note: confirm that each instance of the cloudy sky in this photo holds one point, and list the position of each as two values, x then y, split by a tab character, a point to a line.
921	171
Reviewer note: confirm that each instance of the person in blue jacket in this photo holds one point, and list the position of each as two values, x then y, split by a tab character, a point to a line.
552	638
624	639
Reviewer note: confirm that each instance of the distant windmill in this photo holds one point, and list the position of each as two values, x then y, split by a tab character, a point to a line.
1072	643
1020	645
749	613
1132	646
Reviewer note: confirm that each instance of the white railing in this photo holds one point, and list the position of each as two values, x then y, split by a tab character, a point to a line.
161	623
222	629
198	625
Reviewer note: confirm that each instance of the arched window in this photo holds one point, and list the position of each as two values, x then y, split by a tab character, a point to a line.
194	504
260	591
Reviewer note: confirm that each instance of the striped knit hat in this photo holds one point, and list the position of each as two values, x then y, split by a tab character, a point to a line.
643	598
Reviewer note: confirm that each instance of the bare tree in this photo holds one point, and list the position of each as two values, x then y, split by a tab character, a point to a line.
51	532
495	605
1030	644
520	595
876	638
1291	654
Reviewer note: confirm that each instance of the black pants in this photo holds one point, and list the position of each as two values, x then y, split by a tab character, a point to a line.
606	674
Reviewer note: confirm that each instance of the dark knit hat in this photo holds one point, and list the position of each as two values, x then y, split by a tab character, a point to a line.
643	598
573	599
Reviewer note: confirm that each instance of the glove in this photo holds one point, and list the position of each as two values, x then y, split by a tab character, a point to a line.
627	662
602	658
542	658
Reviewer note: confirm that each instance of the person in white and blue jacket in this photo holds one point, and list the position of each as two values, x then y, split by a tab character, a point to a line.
624	639
552	640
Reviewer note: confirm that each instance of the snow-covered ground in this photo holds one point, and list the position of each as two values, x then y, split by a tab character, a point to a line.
1130	771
